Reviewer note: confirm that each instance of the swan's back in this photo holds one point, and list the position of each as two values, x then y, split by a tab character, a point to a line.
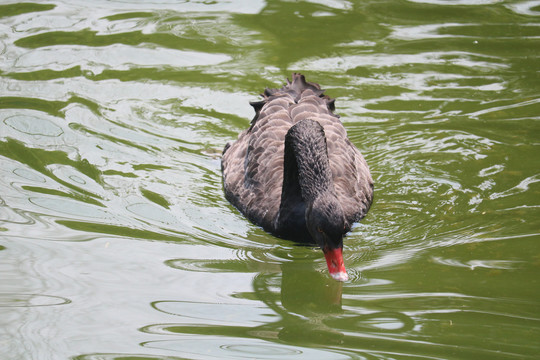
253	165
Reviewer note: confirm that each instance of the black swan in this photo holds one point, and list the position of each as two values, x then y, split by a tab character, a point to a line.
295	173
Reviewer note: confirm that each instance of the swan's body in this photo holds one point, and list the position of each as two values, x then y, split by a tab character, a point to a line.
295	173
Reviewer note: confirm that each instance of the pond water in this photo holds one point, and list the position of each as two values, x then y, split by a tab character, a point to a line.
116	241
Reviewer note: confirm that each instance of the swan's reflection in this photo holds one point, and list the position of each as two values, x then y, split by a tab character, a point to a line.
309	292
302	297
308	298
293	310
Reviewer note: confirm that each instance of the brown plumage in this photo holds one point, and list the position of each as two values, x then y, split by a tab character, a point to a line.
294	171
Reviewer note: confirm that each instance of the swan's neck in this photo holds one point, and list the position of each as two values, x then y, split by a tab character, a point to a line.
306	164
306	172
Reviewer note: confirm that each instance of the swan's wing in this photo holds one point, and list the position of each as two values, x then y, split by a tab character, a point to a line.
362	183
253	165
350	172
352	180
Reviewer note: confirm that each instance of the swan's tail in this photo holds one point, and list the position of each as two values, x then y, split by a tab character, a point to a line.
294	88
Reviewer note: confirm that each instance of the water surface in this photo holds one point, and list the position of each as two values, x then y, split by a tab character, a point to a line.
116	241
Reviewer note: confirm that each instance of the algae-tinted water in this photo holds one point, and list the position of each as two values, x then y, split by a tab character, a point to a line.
116	241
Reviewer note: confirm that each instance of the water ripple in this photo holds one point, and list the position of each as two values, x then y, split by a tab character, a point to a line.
526	7
240	348
33	126
458	58
30	300
123	356
473	264
113	57
211	313
112	121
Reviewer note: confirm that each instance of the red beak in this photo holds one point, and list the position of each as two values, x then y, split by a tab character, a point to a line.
336	267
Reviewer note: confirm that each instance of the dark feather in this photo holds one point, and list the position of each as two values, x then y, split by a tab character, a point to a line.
253	166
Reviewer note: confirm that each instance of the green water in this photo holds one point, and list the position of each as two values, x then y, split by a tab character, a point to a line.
116	241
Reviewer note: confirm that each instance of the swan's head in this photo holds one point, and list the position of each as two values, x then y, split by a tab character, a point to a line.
326	224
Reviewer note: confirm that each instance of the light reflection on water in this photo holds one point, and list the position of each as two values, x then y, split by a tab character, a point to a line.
116	241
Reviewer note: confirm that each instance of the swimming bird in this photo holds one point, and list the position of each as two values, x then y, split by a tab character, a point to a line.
295	173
